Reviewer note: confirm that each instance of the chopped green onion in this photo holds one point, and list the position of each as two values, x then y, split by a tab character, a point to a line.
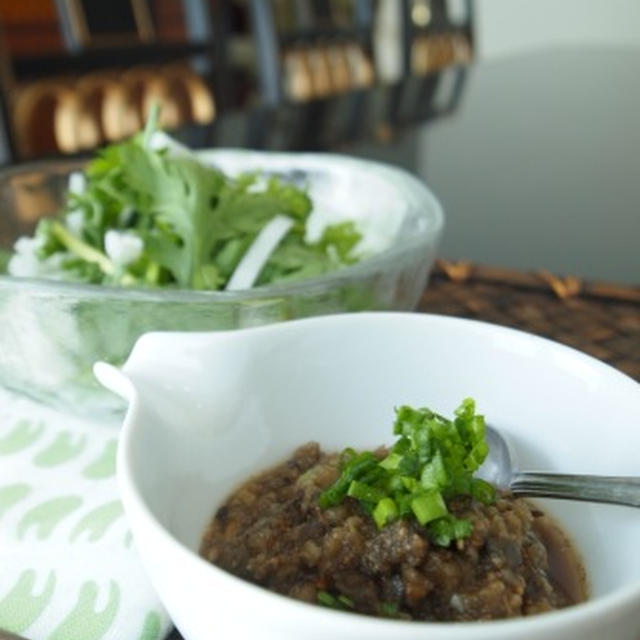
362	491
434	474
409	483
389	609
391	462
477	455
428	506
482	491
335	602
326	599
347	456
386	511
433	459
356	467
448	528
403	501
346	601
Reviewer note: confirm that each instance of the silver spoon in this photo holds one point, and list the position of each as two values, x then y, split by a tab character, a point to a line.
500	469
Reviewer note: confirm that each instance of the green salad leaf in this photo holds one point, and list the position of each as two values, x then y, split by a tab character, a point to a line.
151	217
5	256
433	460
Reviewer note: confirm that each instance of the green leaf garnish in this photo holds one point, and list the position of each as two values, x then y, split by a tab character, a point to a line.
385	511
432	461
389	609
334	602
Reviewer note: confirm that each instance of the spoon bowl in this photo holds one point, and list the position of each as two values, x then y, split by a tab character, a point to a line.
499	465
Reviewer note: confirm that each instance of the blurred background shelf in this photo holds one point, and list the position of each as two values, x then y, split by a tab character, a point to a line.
71	68
76	74
34	67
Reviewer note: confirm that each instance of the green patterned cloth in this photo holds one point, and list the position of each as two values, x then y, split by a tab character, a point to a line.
68	567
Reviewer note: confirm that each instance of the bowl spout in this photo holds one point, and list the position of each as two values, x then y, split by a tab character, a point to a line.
165	365
114	379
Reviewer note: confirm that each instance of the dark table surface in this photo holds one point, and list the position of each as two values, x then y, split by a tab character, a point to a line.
536	158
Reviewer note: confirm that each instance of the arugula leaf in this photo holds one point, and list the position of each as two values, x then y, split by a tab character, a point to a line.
195	223
432	461
181	194
340	238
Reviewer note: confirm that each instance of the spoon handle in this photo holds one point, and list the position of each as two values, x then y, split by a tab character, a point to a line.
610	489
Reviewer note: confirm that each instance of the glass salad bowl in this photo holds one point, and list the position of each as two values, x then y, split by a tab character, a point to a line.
52	331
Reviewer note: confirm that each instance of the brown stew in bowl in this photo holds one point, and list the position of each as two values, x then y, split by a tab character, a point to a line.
273	532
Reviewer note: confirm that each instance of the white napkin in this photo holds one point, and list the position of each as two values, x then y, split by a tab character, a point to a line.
68	567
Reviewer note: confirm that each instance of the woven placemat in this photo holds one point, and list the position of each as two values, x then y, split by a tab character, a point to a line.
600	319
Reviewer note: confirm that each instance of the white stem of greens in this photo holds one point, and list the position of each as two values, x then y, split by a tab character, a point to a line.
122	247
77	183
257	255
151	124
160	140
82	249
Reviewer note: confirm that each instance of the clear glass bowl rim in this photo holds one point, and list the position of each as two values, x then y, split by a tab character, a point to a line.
430	233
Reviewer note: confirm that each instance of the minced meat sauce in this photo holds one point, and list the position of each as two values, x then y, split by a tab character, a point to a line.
272	532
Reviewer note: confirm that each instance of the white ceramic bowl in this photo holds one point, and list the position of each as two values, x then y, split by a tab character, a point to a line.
207	410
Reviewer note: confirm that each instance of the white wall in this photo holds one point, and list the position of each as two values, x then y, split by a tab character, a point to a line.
505	27
539	167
